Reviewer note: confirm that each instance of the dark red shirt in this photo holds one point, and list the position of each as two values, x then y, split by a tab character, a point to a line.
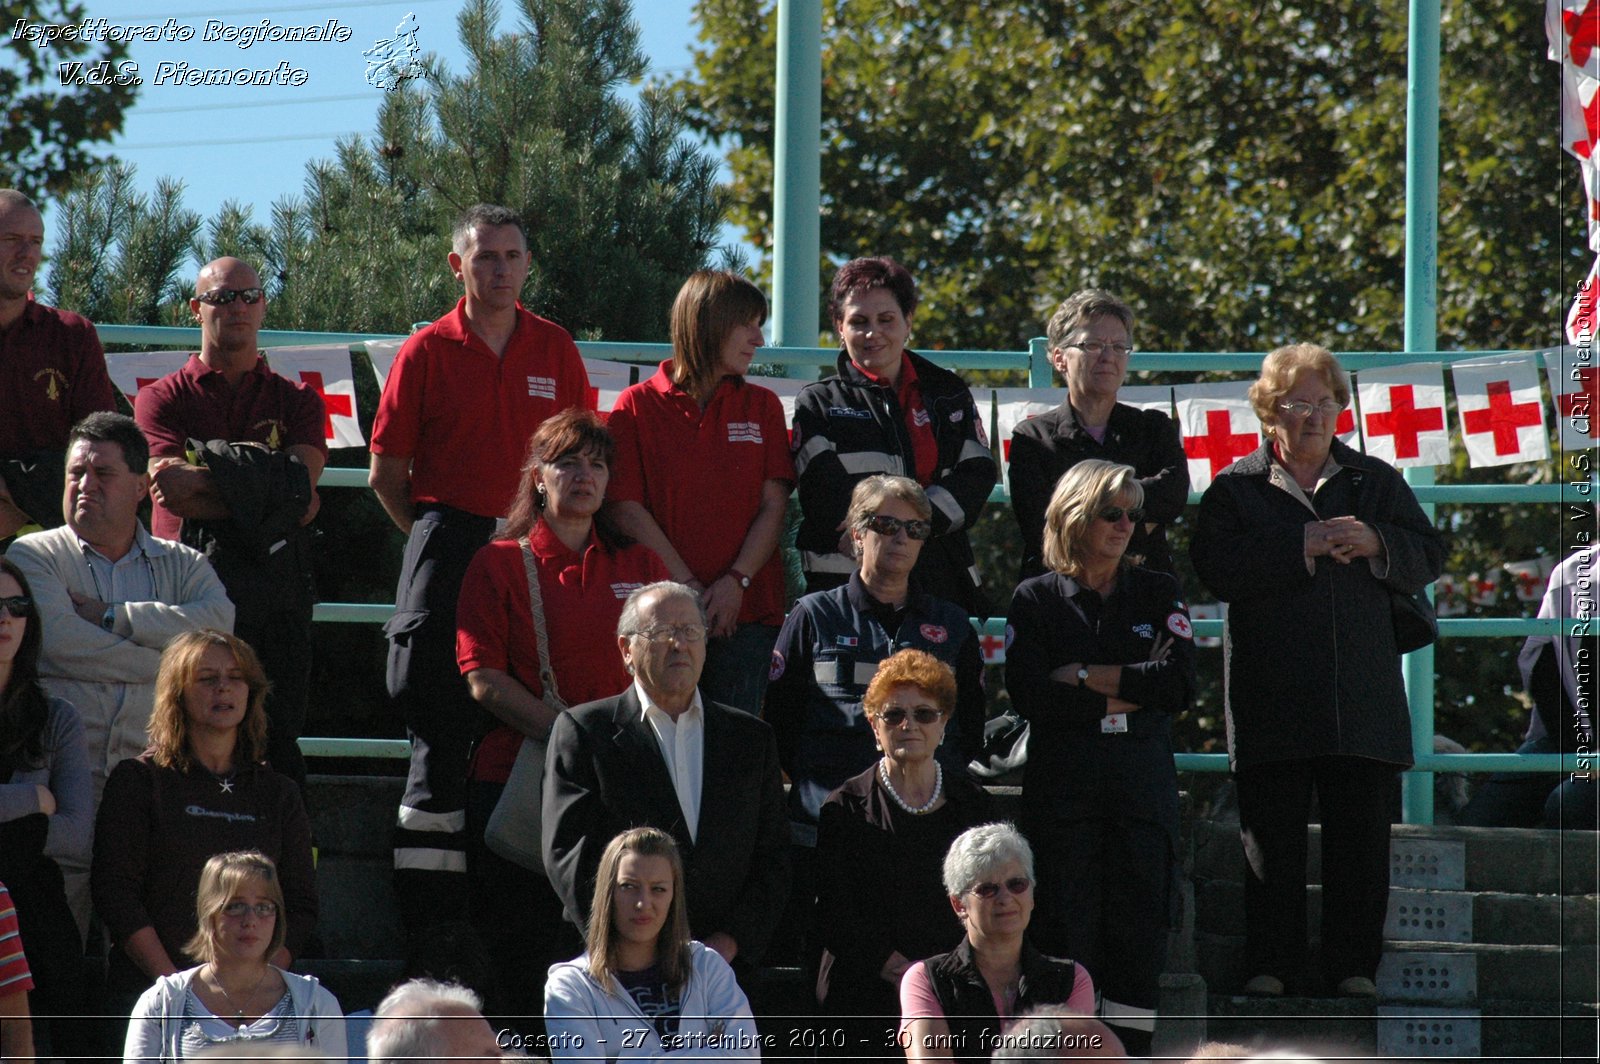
701	474
52	373
908	393
463	414
583	593
196	403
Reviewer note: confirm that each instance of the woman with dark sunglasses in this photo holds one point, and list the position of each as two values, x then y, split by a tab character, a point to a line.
953	1006
1100	658
44	791
880	843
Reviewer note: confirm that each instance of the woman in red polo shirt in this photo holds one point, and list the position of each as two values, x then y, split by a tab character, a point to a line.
703	475
585	568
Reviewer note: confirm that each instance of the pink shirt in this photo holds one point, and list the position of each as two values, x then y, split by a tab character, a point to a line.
918	1001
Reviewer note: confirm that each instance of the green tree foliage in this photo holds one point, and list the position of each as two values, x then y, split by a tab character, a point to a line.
1236	171
53	118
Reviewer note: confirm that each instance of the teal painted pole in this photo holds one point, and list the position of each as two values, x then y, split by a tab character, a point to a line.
797	177
1422	310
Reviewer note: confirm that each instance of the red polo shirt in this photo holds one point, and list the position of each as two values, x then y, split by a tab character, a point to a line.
463	415
196	403
700	474
583	593
52	373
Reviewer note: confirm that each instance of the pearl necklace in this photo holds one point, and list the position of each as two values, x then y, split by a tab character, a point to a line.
925	807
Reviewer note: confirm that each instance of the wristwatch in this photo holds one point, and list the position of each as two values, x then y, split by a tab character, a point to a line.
744	581
1083	675
108	618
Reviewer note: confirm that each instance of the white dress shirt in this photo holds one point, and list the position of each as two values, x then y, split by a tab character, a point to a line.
683	748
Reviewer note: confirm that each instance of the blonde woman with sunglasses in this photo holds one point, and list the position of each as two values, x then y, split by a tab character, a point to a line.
1099	659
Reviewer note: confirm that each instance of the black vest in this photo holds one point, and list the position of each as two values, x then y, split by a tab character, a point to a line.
969	1008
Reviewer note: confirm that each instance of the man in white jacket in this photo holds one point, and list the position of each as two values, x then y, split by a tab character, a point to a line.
111	595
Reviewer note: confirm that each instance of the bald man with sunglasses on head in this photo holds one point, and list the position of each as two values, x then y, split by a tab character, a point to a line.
236	452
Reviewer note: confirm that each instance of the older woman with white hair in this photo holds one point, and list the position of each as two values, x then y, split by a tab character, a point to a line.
953	1006
1100	658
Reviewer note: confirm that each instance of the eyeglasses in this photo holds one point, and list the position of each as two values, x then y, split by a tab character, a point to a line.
19	606
1112	514
1016	885
1096	348
1300	408
884	525
221	297
683	633
236	910
895	716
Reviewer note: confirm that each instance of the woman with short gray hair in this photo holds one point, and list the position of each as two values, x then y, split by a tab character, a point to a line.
953	1006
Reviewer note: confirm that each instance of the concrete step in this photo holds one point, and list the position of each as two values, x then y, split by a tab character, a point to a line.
1330	1028
1506	860
1550	973
1515	919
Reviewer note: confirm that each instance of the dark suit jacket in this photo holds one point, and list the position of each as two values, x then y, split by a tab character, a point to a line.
604	774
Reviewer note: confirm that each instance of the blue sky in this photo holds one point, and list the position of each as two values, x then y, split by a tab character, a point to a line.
251	143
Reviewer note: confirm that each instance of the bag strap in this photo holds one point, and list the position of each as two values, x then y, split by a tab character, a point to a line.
547	675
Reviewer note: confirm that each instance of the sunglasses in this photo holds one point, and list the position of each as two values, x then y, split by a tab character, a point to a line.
221	297
1112	514
1016	885
895	716
888	526
19	606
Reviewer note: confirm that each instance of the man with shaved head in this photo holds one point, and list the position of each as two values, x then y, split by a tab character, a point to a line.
52	374
236	451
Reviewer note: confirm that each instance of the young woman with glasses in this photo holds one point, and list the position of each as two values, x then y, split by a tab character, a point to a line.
953	1006
882	838
1099	659
200	789
236	995
44	790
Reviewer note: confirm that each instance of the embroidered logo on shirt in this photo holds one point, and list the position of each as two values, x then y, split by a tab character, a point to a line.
934	633
849	411
957	415
623	590
776	669
845	640
1144	631
542	387
54	382
744	432
200	810
1178	625
274	432
920	417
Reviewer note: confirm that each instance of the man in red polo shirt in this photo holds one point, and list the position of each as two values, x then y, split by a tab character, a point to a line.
448	441
52	374
245	492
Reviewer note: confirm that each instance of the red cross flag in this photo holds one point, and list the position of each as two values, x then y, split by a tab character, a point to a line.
1574	375
1013	406
1218	427
1502	413
132	373
326	371
1572	28
1402	413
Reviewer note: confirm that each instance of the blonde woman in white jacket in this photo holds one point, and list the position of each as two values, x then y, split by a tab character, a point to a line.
644	990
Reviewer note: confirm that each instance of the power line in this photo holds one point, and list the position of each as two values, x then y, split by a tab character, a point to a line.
241	140
242	106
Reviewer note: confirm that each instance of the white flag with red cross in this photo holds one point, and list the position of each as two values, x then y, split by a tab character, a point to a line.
1574	376
1572	28
1501	410
1218	426
325	370
133	373
1402	414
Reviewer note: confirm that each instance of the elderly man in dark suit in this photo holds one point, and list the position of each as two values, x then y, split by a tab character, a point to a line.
660	755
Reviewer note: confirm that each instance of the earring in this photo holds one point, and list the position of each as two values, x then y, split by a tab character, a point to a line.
540	494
